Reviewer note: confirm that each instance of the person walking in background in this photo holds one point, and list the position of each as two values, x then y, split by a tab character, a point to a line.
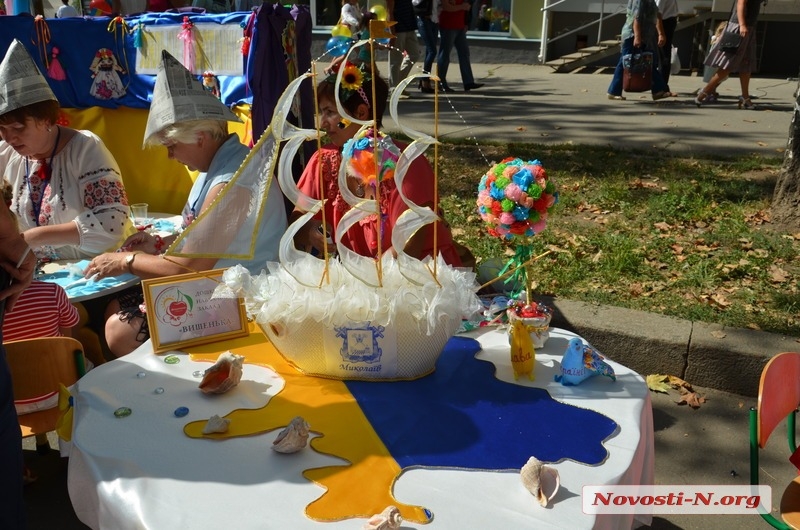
405	46
66	10
427	12
668	9
708	71
453	32
743	21
350	16
641	32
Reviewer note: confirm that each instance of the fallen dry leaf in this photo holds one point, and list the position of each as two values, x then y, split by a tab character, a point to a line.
718	334
679	383
664	227
778	275
522	129
658	383
693	399
720	300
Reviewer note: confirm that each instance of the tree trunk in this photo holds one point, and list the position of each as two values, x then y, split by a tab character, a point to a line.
786	199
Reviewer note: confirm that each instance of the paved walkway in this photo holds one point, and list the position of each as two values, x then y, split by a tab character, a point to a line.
527	103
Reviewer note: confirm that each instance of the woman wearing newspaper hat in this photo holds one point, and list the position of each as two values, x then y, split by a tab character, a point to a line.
220	223
67	189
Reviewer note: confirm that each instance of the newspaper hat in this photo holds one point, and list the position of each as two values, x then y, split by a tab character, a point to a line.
21	82
178	97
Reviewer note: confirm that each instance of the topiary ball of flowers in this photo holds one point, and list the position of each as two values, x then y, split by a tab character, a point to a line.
514	198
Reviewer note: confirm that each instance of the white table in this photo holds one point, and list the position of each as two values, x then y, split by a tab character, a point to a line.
144	472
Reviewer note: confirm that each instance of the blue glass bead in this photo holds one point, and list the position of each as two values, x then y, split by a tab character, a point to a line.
180	412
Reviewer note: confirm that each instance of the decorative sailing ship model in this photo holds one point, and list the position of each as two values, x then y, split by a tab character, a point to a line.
352	316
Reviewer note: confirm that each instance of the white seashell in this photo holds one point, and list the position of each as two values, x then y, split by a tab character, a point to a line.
216	424
293	438
388	519
541	480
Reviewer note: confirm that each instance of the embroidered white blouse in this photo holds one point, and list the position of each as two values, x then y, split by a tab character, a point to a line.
85	187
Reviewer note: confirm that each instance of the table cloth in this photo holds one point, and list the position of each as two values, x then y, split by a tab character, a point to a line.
143	471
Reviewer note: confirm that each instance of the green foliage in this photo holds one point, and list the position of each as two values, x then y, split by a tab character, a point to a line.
686	237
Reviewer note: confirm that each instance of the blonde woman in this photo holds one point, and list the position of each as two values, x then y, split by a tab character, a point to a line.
742	60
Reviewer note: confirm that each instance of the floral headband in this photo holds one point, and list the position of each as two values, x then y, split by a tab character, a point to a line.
354	77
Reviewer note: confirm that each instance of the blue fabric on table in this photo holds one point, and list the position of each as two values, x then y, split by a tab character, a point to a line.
65	278
462	416
164	225
78	39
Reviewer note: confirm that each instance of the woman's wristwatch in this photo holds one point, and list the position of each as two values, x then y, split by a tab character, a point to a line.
129	260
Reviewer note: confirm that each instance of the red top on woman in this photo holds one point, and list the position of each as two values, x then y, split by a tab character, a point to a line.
418	187
453	20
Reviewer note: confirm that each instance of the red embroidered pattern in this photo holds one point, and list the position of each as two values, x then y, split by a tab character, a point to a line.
103	192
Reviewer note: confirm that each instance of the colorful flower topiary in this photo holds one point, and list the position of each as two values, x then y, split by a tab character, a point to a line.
514	198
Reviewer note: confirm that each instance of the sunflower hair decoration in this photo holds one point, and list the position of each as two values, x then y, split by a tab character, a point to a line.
354	78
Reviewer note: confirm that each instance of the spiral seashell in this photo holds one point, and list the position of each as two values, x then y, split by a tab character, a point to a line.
541	480
293	438
216	424
388	519
223	375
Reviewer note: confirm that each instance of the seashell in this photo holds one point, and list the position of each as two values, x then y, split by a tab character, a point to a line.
293	438
541	480
223	375
216	424
388	519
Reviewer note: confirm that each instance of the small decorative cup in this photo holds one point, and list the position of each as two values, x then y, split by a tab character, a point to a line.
139	213
537	324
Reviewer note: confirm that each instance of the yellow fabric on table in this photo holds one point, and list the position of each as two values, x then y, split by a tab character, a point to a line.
329	409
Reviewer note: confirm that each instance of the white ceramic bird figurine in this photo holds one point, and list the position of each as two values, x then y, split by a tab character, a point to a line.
580	362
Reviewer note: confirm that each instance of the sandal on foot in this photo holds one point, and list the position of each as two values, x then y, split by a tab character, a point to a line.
663	95
745	103
702	98
616	98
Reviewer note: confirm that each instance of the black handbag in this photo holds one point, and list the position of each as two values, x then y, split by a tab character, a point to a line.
729	41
